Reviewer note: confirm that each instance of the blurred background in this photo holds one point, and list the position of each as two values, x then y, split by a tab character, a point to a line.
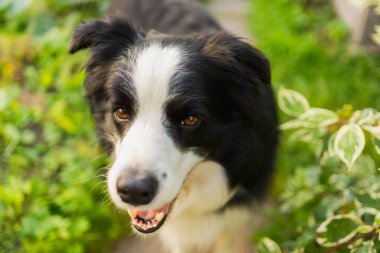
52	192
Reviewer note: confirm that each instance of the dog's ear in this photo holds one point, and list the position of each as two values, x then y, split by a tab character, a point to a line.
112	33
228	52
106	39
244	74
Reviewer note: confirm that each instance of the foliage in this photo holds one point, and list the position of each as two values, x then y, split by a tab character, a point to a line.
50	200
308	47
345	126
266	245
326	193
50	193
335	201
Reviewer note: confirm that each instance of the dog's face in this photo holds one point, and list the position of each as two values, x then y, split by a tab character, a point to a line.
166	105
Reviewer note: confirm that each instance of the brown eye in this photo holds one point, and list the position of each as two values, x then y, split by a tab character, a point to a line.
191	120
120	114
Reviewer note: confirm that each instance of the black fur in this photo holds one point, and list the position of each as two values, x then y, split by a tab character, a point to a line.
106	39
240	131
227	84
175	17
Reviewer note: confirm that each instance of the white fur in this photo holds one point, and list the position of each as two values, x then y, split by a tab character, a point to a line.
146	146
194	224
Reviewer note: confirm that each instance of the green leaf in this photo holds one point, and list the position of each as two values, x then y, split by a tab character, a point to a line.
267	245
355	118
367	200
367	116
318	117
291	124
364	229
376	222
306	237
376	143
337	229
307	135
330	145
373	130
349	144
292	103
365	247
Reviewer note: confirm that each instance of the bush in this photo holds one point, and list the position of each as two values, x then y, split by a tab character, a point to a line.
50	200
334	201
51	197
326	193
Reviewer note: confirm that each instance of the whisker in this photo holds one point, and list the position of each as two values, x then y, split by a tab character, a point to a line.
105	188
98	174
98	183
91	178
106	201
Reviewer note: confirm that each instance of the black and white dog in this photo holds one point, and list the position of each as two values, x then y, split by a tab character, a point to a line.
189	116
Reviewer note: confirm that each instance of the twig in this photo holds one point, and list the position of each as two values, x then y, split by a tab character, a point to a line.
353	239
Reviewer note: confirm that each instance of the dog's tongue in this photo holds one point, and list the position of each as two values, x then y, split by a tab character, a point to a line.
147	215
150	214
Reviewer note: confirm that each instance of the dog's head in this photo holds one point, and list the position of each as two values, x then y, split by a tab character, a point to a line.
165	105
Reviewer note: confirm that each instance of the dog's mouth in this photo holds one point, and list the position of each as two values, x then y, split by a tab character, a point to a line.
149	221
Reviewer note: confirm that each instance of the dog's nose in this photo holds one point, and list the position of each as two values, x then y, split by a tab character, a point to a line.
137	191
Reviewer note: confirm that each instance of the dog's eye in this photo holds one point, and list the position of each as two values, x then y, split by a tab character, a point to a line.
121	114
190	121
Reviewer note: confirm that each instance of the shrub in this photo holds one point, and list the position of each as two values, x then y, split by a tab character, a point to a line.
51	197
333	201
315	182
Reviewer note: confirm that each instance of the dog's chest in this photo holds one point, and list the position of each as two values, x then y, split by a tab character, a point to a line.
209	233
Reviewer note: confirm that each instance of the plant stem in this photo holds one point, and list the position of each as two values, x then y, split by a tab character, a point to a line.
340	245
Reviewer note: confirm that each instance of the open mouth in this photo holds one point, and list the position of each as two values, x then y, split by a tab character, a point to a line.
149	221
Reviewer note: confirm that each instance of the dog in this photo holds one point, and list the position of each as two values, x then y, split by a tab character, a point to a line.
187	112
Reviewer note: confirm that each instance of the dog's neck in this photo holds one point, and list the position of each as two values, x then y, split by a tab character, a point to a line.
196	225
210	233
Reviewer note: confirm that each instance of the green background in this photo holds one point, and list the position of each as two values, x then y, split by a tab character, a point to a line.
52	191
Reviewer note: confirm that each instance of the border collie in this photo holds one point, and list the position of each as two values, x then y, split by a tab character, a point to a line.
188	115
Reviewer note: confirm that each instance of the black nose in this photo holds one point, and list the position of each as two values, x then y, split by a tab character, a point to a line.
137	191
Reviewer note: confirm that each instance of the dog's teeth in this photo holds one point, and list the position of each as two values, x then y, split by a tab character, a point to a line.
148	219
132	213
159	216
140	224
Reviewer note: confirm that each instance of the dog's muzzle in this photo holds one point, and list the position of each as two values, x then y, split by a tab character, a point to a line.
136	189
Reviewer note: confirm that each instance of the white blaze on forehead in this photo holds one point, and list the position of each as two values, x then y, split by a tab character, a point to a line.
155	66
146	145
152	71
